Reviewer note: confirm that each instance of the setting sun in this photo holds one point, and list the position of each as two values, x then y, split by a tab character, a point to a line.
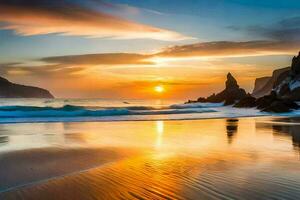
159	89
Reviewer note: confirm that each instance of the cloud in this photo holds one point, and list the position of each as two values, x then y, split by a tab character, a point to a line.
231	49
217	49
284	30
48	71
100	59
282	37
71	65
33	17
75	64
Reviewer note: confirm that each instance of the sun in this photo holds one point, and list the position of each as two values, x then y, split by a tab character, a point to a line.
159	89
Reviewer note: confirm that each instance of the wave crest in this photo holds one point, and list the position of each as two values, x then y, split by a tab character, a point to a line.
79	111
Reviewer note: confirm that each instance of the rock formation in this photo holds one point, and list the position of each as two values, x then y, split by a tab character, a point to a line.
263	86
271	103
229	95
295	68
285	91
273	94
12	90
289	86
247	102
259	84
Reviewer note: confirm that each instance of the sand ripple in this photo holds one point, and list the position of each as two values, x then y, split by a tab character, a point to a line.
168	176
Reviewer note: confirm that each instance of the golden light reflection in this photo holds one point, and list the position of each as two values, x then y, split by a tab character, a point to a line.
194	150
160	132
159	89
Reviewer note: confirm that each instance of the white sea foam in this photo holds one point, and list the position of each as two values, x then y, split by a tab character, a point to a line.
17	111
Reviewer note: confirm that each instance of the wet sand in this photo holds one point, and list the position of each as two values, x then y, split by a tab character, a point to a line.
29	167
247	158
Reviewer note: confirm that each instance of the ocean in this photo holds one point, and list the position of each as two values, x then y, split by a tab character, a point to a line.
131	149
79	110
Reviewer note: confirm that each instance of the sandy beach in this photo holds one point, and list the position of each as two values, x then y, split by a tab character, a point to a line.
257	158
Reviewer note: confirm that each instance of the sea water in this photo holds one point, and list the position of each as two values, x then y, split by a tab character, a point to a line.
76	110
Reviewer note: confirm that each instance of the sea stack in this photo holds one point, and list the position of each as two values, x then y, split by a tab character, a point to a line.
229	95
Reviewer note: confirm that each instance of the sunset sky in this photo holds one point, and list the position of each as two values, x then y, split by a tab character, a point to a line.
145	48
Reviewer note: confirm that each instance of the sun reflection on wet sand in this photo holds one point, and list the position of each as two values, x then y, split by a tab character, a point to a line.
160	132
205	159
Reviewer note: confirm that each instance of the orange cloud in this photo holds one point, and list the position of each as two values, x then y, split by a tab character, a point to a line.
49	70
100	59
87	75
219	49
74	20
231	49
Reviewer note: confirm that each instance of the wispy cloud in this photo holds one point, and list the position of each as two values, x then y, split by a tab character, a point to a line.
74	64
100	59
143	64
284	30
216	49
31	17
48	70
231	49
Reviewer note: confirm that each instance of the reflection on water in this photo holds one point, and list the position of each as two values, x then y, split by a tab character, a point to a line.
231	128
293	131
289	129
74	138
3	140
284	127
160	132
172	160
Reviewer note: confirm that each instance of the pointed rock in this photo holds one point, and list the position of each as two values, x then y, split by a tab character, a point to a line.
296	65
231	83
229	95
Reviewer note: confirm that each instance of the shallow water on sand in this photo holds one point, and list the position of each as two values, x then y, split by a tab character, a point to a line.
246	158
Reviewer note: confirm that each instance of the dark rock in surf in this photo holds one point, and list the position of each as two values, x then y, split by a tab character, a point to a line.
271	103
277	107
247	102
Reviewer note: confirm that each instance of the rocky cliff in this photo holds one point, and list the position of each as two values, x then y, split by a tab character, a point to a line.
282	95
289	85
263	86
278	93
259	84
12	90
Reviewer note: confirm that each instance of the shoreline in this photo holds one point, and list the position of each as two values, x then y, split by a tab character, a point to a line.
150	120
142	120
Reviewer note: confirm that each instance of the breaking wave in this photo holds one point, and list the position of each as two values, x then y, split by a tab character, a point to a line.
79	111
